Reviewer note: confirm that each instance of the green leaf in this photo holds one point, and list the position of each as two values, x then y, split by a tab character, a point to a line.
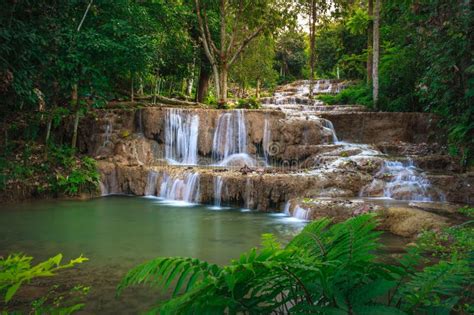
11	291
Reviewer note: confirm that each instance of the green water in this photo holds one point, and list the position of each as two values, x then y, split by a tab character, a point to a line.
117	233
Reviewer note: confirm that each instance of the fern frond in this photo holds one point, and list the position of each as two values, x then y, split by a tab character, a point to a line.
161	272
435	285
354	240
312	238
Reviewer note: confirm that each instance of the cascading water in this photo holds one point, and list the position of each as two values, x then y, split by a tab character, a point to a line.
286	208
108	133
230	137
181	134
109	184
266	140
248	193
150	188
140	122
191	190
185	189
218	183
300	213
403	181
327	125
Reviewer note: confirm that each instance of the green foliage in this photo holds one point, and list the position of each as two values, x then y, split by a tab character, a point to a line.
249	103
55	302
16	270
426	61
326	269
291	55
50	169
357	94
339	49
255	65
82	177
358	22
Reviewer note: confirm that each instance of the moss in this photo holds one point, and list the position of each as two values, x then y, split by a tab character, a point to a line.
125	133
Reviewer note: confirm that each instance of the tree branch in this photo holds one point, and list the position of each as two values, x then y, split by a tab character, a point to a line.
208	35
234	29
245	43
203	36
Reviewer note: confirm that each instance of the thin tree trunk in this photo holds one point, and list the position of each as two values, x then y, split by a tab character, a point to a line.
132	92
215	72
370	38
222	86
75	105
375	70
155	89
312	44
140	86
257	90
48	128
190	80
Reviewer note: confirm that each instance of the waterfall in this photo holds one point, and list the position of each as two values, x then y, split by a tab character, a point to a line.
230	136
108	132
301	213
109	184
218	183
286	209
191	188
181	137
150	188
248	193
327	125
266	140
403	181
186	189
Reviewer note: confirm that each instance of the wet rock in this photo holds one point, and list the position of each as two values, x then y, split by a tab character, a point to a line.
409	222
378	127
444	209
337	210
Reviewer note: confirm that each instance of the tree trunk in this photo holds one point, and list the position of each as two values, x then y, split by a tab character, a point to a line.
370	38
132	92
312	40
222	97
75	105
141	89
48	128
257	90
375	70
203	84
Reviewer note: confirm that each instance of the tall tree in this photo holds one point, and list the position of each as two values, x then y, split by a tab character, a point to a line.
376	54
312	40
255	66
291	54
370	33
239	23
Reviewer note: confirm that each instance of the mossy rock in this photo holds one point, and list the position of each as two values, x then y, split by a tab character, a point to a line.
125	133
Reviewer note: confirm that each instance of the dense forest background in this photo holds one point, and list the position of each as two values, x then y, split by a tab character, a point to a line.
59	59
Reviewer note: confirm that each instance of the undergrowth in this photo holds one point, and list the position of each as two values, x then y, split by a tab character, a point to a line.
47	169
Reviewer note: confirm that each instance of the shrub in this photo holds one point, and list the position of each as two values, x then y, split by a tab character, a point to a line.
82	177
249	103
16	270
358	94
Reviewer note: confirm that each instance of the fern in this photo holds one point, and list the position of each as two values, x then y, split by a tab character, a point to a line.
326	269
436	287
161	272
